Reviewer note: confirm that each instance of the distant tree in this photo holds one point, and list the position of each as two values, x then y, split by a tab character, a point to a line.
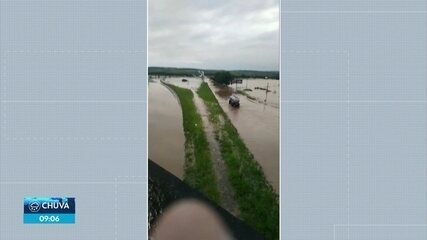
223	77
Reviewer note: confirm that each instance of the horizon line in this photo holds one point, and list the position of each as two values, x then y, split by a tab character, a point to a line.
217	69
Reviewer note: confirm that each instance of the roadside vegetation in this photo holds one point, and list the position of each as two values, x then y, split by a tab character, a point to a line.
198	170
258	202
223	77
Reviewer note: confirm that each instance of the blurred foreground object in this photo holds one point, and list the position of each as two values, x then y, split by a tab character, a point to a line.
166	190
188	220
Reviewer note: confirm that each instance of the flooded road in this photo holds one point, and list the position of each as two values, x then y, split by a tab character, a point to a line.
256	88
257	123
192	83
165	130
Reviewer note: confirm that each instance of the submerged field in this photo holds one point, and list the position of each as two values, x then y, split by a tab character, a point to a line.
165	129
258	202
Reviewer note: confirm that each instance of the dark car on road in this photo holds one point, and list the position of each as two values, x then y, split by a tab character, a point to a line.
234	101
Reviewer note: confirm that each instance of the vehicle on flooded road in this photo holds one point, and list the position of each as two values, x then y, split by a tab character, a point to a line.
234	101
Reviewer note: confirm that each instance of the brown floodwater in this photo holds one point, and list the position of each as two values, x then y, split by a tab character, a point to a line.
257	122
165	130
190	83
256	88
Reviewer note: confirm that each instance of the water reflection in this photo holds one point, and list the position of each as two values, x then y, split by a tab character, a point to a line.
165	130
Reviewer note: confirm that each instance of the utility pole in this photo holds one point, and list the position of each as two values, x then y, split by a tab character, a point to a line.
266	93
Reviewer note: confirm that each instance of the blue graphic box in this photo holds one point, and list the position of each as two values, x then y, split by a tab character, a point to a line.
49	210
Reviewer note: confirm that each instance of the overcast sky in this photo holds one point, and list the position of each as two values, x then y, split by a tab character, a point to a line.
214	34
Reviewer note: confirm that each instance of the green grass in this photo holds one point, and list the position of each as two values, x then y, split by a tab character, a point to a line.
258	202
198	170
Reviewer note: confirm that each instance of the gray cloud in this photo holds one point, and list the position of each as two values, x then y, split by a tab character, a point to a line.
214	34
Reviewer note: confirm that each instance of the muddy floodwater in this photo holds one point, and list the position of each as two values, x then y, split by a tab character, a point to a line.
257	121
165	130
192	83
257	88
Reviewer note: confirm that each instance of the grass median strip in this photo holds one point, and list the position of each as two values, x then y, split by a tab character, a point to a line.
258	202
198	170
